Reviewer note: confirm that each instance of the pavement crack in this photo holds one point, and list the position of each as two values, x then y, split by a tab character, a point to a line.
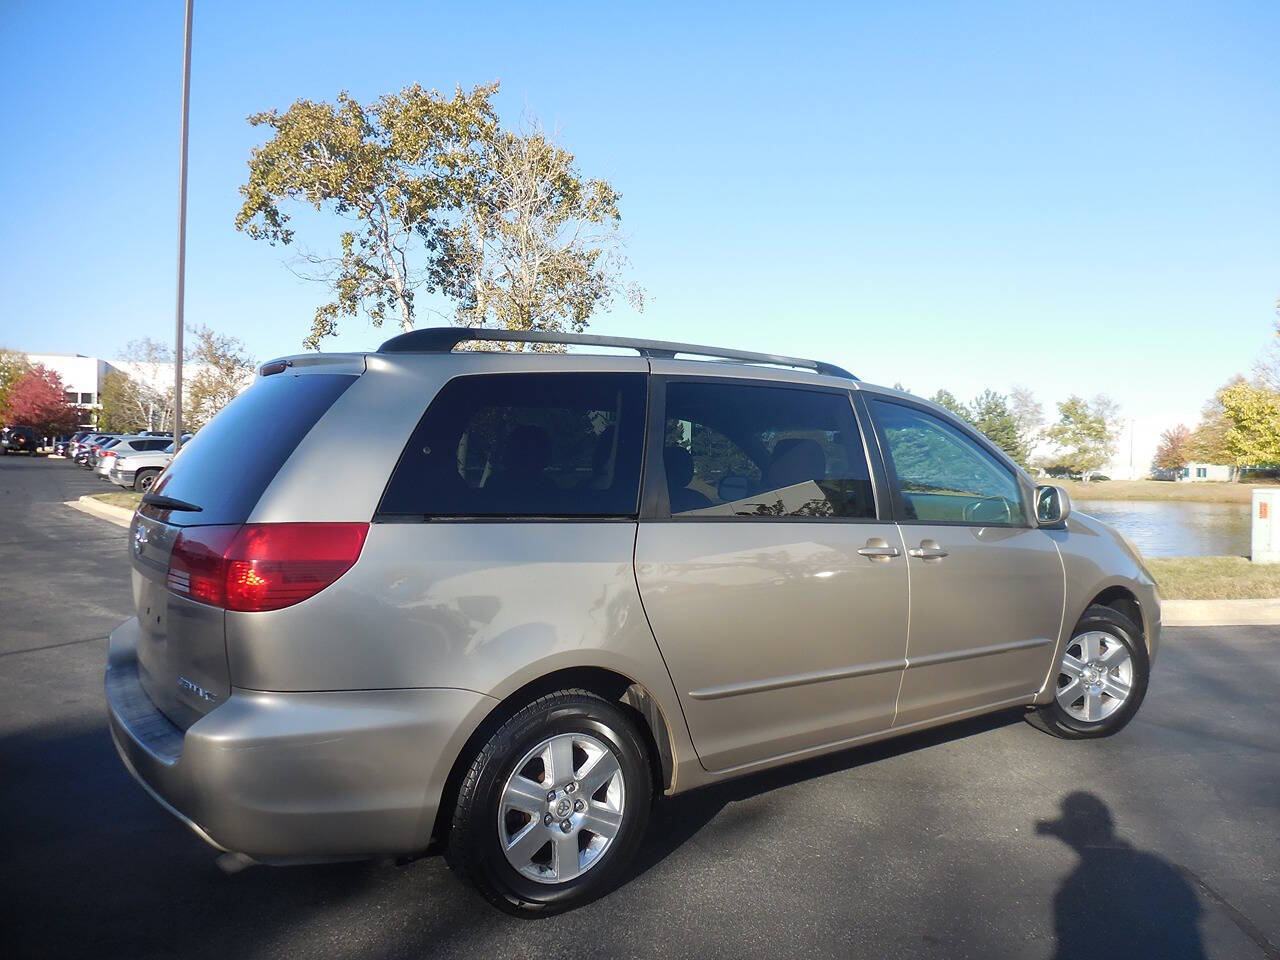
50	646
1245	925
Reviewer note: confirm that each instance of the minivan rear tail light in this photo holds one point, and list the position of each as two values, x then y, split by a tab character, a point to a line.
262	566
197	563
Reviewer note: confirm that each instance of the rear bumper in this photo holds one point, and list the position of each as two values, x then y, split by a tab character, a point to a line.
285	776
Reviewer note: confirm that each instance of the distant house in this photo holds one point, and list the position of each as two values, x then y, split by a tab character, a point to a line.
1205	472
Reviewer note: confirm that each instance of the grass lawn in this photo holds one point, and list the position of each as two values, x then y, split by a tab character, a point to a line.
120	498
1158	490
1214	578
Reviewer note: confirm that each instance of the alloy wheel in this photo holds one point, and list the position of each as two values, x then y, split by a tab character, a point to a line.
1095	676
561	808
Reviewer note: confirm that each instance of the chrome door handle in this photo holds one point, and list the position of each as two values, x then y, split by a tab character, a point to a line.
877	549
928	550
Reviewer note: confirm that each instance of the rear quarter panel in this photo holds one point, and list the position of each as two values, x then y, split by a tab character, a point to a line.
485	607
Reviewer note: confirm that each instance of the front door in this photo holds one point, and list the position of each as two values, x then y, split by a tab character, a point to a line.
987	587
777	594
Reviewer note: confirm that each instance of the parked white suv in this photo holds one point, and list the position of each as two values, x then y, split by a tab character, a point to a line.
138	469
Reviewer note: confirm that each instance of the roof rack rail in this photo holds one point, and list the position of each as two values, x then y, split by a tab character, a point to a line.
444	339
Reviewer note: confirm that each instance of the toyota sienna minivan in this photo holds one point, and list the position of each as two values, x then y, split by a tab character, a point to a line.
498	602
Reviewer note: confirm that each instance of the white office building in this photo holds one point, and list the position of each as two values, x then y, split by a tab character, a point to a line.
83	377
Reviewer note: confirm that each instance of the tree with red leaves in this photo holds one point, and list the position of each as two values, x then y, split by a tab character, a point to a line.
38	400
1174	451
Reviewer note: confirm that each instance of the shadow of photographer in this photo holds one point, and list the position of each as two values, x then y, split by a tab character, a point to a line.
1118	901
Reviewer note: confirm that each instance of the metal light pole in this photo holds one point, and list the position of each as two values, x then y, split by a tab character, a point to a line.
182	235
1132	423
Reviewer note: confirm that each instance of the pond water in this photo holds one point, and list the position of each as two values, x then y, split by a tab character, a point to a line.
1172	528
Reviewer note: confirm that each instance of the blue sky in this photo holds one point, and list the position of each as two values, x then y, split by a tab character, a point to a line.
1077	197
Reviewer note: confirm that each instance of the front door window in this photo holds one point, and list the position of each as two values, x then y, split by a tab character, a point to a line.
943	475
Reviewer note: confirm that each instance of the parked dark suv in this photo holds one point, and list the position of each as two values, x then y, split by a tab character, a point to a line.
503	600
19	440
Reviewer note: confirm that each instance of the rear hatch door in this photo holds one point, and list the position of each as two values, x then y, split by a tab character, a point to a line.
182	655
219	475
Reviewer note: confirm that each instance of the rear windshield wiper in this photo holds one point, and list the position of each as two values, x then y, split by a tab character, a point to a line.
169	503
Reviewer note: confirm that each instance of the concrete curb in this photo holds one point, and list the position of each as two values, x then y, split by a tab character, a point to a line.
103	511
1220	613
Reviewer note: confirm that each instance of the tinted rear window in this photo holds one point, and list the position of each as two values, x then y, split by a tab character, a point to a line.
754	452
226	466
525	445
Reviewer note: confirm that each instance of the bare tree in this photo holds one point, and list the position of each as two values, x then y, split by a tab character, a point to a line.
537	247
1267	367
1028	414
221	369
144	398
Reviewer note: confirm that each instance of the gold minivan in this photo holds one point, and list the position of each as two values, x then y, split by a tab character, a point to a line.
499	602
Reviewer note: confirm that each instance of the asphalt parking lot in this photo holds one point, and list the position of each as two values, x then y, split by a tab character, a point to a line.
989	839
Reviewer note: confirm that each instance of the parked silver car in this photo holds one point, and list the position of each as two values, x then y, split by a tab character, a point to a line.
139	470
502	600
127	446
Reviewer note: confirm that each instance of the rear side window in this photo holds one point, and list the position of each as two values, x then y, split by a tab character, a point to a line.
525	445
763	453
225	467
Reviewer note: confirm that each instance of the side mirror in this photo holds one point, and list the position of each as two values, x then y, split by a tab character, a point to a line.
1053	506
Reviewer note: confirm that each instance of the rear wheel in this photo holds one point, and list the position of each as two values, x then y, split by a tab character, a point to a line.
1100	680
555	804
144	479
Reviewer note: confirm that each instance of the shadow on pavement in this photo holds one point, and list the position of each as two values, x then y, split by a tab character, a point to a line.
1119	901
93	860
677	819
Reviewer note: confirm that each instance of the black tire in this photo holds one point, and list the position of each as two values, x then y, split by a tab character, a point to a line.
1054	718
140	483
473	847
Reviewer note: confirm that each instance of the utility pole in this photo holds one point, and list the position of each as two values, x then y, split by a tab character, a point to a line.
1131	425
182	234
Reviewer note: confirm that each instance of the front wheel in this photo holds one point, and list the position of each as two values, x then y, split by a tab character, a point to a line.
1100	679
554	806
